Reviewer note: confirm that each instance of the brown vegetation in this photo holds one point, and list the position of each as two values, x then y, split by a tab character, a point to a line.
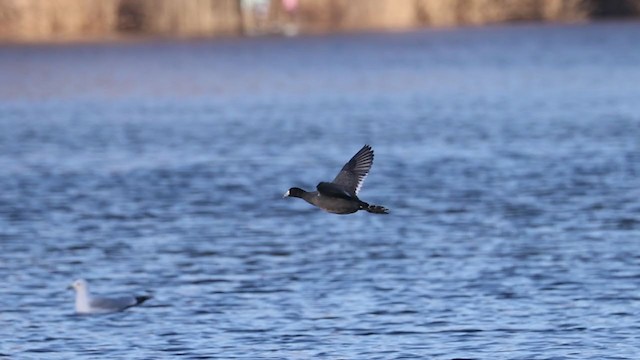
50	20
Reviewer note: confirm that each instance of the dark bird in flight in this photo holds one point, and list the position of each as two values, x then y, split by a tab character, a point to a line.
341	195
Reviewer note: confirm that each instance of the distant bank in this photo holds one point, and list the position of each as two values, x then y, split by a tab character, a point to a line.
94	20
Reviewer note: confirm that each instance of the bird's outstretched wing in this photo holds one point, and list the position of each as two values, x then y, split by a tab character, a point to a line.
355	171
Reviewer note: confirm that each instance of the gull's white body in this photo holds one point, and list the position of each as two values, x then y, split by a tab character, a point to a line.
82	301
88	304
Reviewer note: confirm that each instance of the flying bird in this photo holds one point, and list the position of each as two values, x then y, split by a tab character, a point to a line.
341	195
88	304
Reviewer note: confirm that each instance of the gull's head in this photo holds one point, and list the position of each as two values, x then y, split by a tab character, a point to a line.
79	285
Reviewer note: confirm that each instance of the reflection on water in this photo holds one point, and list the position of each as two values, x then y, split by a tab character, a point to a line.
508	156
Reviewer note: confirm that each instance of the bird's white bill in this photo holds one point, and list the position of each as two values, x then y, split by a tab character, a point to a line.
286	194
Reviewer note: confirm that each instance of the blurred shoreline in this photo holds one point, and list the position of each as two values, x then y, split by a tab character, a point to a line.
55	21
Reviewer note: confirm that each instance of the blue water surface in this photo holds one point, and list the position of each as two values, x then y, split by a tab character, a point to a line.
509	157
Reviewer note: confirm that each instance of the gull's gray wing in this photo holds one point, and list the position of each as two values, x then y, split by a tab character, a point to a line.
355	171
112	304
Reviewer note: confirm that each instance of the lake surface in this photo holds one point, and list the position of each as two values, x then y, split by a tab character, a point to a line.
509	157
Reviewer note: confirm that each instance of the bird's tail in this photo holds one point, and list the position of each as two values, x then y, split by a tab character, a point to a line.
141	299
374	209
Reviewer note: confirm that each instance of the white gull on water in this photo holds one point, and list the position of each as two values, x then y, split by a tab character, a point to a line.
89	304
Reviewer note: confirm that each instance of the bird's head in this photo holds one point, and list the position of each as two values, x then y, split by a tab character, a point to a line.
294	192
78	285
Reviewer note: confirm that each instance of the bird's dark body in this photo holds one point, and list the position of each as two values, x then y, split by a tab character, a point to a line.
340	196
335	205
